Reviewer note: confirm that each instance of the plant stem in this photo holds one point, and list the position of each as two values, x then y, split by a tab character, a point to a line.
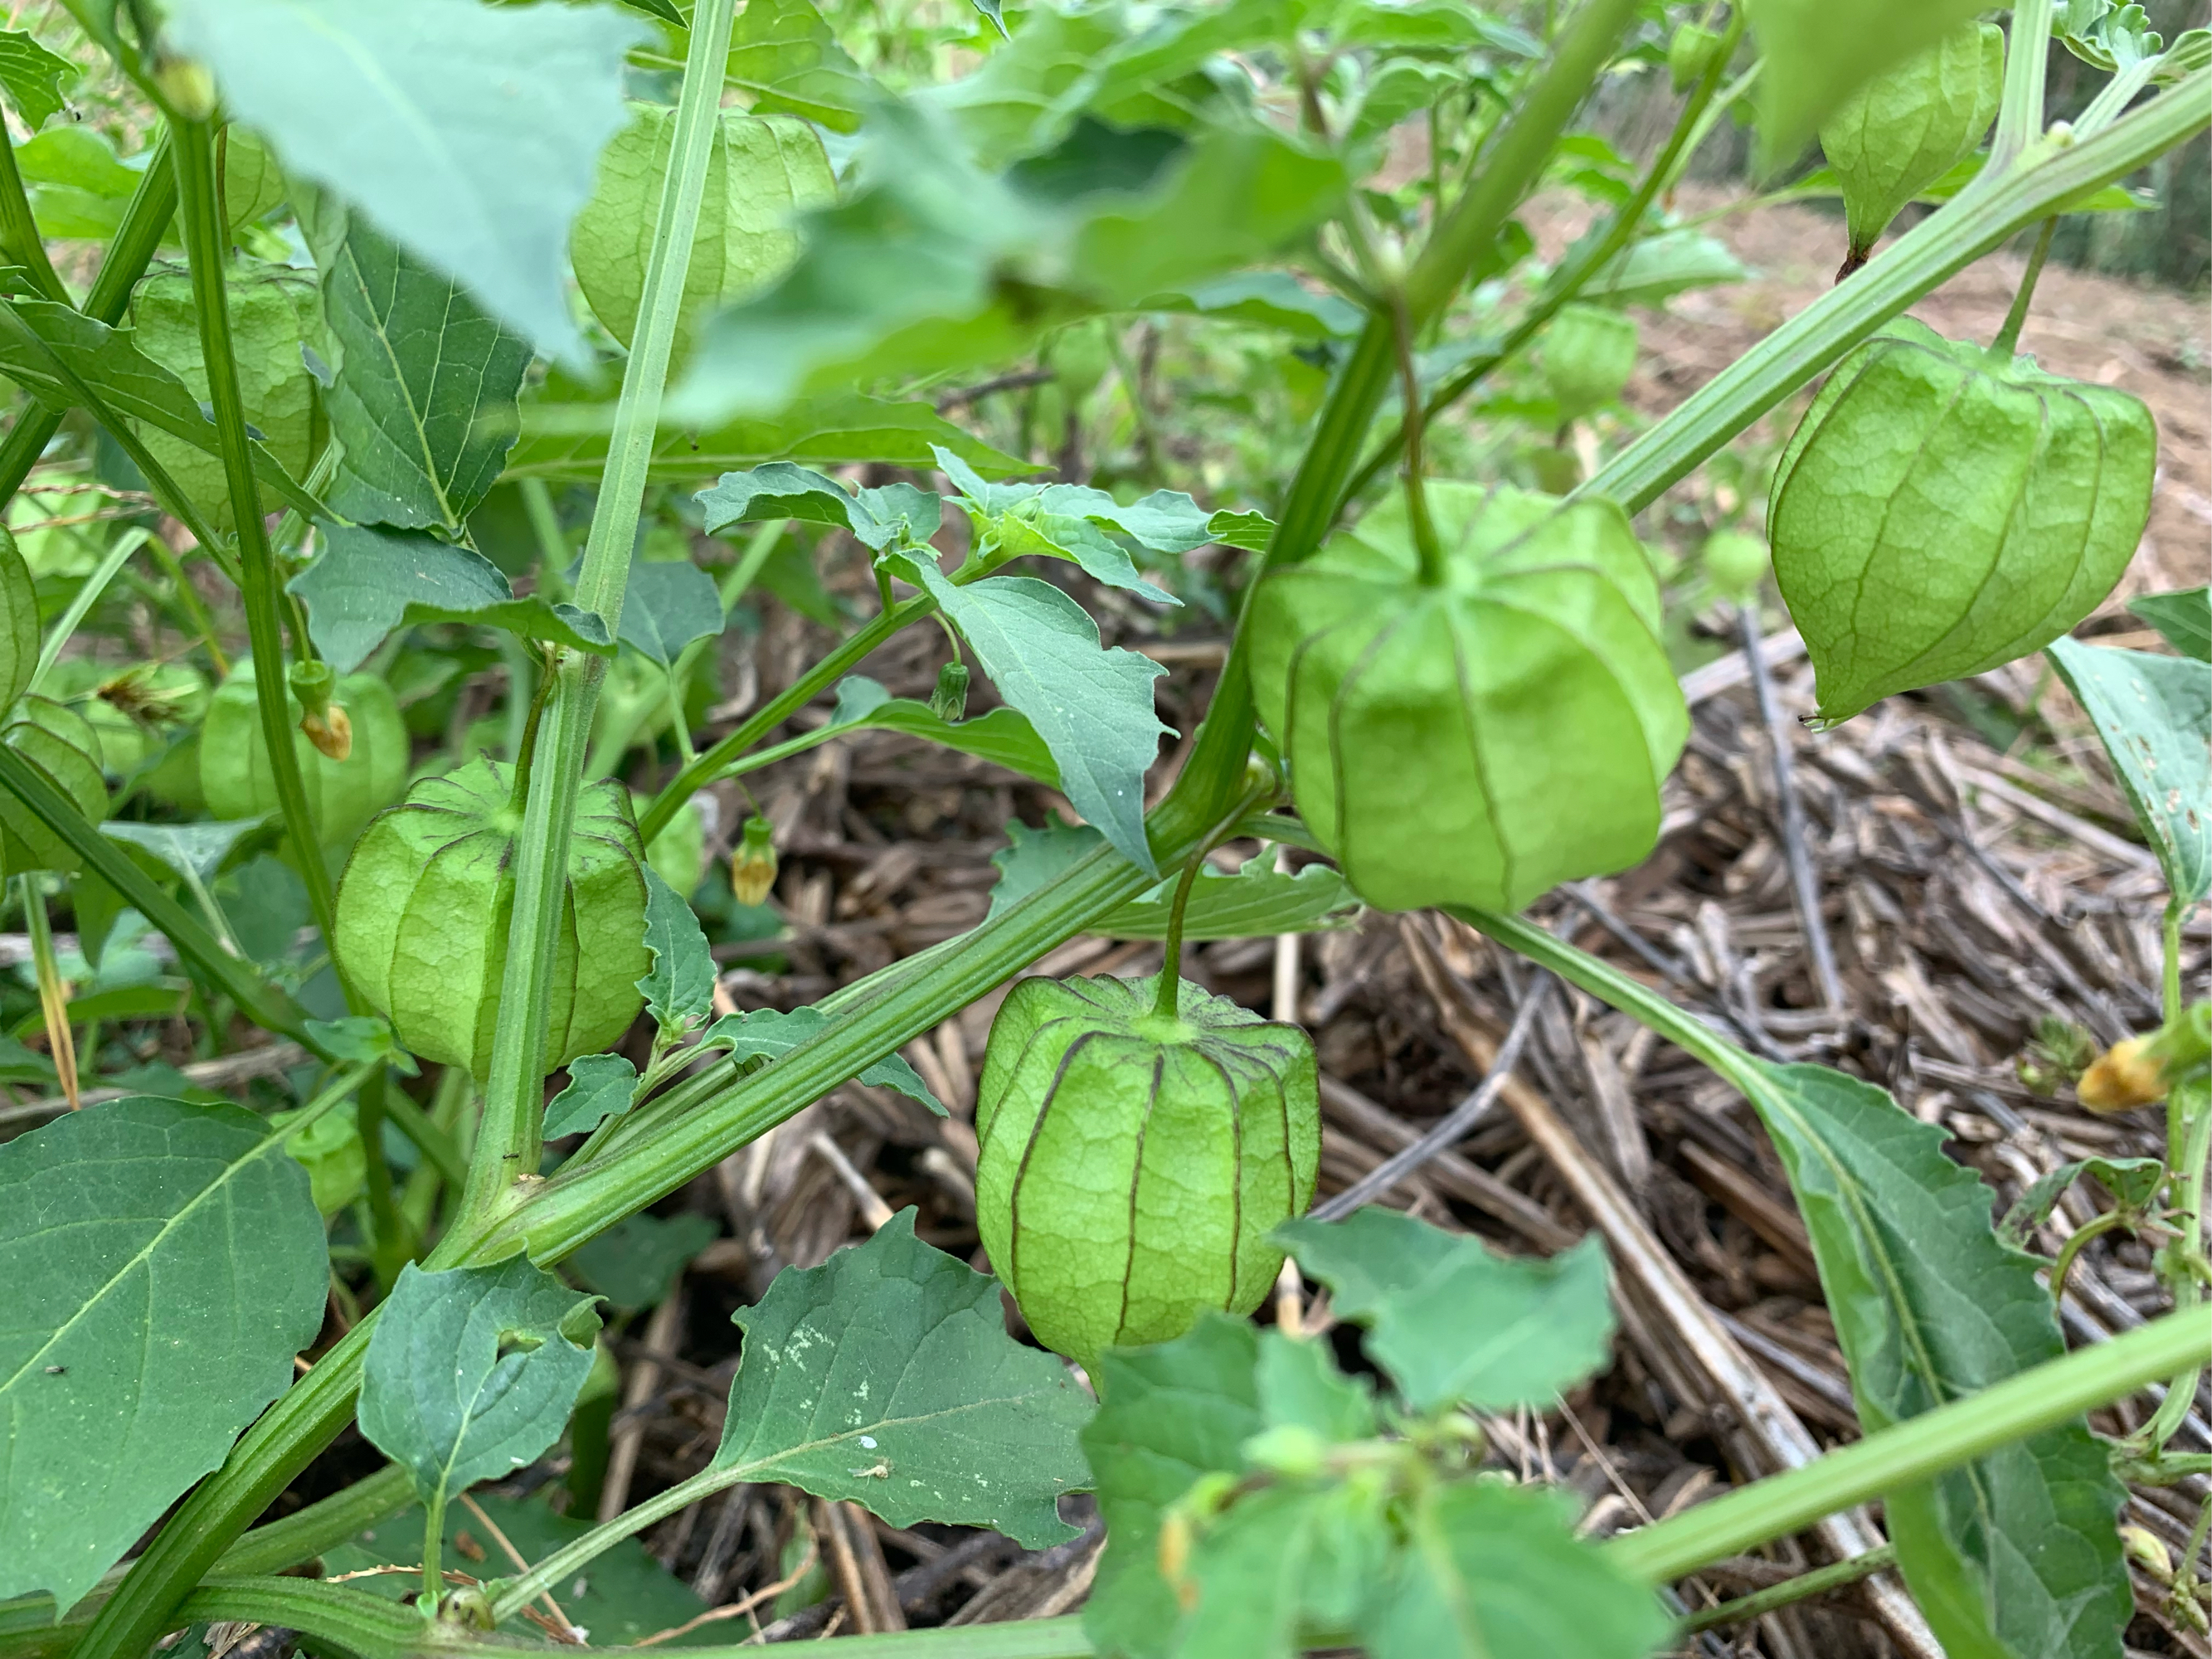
2170	977
2007	339
1790	1591
145	221
2020	112
1938	247
1914	1451
86	596
19	228
53	995
1168	1000
508	1142
2181	1261
394	1244
517	1593
257	998
433	1545
260	585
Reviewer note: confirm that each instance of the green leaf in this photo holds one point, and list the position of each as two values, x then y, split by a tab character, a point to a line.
1265	299
34	77
600	1086
2153	713
567	443
1066	521
426	378
781	491
369	580
1815	54
1003	736
668	604
1092	706
79	157
1255	902
1491	1569
633	1264
1653	268
163	1264
626	1596
1300	1387
2012	1555
931	266
2134	1184
1168	1415
471	1372
886	1377
784	55
130	383
467	132
765	1034
1250	531
357	1039
191	849
1453	1323
21	1064
762	171
328	1149
680	987
2186	619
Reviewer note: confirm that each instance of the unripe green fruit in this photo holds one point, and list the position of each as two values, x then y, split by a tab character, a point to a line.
1910	124
1734	561
60	745
1132	1167
1480	740
1939	512
273	310
1689	53
1589	352
427	898
19	622
238	781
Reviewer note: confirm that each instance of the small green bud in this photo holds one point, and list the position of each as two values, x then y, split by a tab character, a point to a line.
326	724
753	865
1132	1166
1910	125
949	702
185	86
1290	1449
1939	512
1589	352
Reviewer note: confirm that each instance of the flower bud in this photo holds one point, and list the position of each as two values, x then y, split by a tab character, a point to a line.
1132	1165
949	702
427	899
1910	125
331	731
753	865
1939	512
356	766
1480	738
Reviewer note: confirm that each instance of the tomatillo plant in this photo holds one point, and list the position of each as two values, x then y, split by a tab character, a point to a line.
453	797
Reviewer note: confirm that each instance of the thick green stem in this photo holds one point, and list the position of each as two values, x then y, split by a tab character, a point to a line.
1914	1451
508	1143
1937	248
19	228
2027	55
260	586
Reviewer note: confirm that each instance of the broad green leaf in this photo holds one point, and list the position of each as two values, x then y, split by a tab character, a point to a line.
2133	1182
1003	736
1301	1387
2186	619
34	77
1491	1569
680	987
600	1086
1249	1573
2015	1554
633	1263
1653	268
766	1033
130	383
163	1263
876	517
20	1063
625	1595
1814	53
886	1376
2154	715
190	849
81	158
1168	1415
1267	299
762	172
1092	705
471	1372
1068	522
1449	1320
1250	531
369	580
1435	25
426	379
932	266
466	131
786	56
668	604
273	313
567	443
1255	902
